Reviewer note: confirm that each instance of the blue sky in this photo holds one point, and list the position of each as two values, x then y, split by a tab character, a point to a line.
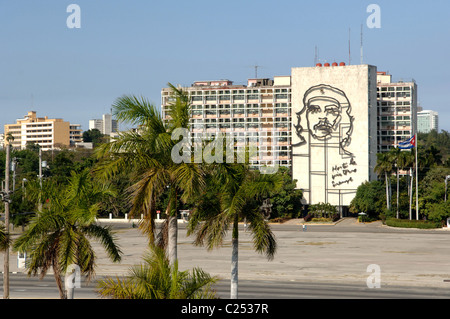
137	47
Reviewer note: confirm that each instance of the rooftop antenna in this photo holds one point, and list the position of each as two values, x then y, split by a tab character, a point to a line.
315	55
349	48
256	70
361	44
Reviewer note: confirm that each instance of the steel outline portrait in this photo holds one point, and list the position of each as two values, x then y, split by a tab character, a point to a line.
324	109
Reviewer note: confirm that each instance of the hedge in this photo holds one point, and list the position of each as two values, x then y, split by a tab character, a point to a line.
407	223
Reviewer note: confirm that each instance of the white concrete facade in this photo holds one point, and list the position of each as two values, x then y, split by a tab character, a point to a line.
334	129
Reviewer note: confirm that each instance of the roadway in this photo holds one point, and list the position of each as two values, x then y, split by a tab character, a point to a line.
324	262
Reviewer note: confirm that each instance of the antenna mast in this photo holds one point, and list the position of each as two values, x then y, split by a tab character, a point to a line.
315	56
361	44
349	48
256	71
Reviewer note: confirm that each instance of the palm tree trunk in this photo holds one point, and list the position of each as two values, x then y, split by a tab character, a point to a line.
387	191
172	239
173	227
397	193
6	252
234	261
59	283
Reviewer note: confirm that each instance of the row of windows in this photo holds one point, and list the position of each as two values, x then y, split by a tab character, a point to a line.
40	125
394	132
392	118
394	94
240	124
234	120
392	88
40	136
244	134
240	106
393	103
241	91
281	112
236	97
38	131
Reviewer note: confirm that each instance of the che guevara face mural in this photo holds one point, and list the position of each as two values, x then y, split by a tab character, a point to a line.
324	109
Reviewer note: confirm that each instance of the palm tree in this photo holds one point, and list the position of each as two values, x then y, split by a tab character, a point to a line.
394	155
384	166
235	193
147	153
59	236
4	238
406	161
157	278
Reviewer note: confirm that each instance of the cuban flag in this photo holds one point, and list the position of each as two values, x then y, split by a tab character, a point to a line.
408	144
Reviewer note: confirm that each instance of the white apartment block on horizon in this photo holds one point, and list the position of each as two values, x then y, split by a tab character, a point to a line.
47	133
427	121
107	125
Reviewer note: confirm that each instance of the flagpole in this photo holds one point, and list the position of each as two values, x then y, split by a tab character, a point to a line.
417	180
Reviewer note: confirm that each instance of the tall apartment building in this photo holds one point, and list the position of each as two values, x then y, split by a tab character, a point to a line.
107	125
397	111
326	123
427	121
259	112
48	133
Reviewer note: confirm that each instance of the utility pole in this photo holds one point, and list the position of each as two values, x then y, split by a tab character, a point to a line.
6	200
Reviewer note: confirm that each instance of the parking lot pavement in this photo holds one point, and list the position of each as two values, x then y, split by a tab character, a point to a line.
345	252
337	253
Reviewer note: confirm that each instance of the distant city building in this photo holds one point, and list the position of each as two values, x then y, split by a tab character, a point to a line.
397	111
427	121
47	133
2	137
107	125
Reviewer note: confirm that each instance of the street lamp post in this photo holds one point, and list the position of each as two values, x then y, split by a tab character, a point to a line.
446	179
7	200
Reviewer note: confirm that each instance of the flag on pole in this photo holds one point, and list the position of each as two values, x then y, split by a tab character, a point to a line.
408	144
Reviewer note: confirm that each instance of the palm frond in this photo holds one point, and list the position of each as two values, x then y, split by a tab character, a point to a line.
135	110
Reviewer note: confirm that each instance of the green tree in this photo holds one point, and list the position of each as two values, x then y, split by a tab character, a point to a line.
59	236
157	278
369	199
286	201
62	165
147	154
4	238
93	136
237	194
384	166
322	210
405	161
